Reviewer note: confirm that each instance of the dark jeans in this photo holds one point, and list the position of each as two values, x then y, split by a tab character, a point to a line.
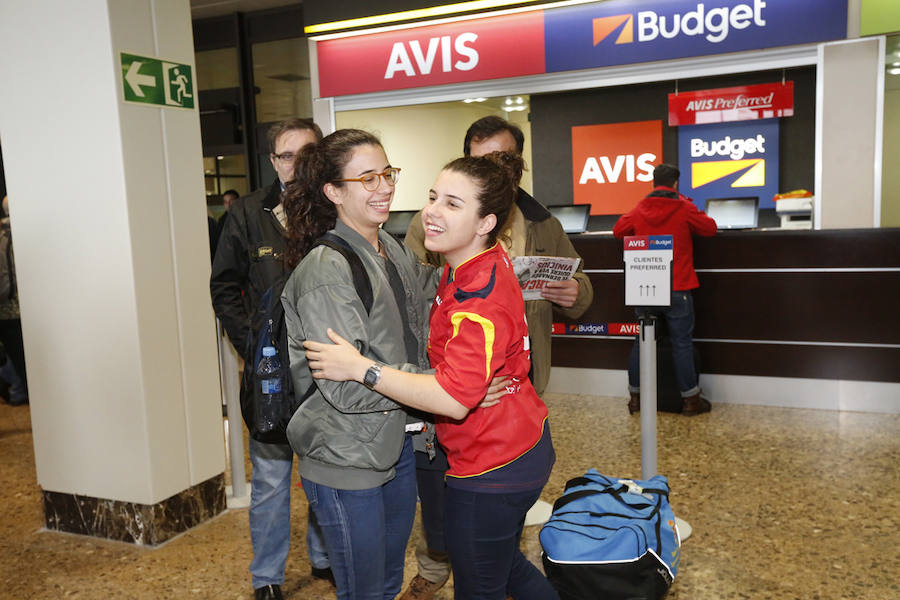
431	488
366	531
680	320
483	534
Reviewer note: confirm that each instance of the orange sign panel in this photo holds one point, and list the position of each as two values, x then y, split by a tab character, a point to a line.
612	165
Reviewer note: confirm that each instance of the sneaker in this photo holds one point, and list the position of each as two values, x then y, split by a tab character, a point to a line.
268	592
325	574
420	589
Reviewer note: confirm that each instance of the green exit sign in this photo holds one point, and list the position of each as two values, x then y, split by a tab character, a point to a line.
154	81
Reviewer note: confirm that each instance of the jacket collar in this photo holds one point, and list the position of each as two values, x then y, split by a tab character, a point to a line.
273	196
355	239
531	208
662	191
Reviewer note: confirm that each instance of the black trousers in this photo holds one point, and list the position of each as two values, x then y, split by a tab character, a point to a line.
11	336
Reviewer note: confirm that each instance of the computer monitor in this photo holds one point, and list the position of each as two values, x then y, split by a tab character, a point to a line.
398	222
734	213
573	217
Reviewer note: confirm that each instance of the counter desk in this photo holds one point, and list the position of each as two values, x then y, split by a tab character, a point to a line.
774	303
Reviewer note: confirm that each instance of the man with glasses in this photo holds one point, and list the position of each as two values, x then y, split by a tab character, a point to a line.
249	259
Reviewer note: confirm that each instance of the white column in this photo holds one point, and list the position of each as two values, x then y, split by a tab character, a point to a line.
109	225
849	120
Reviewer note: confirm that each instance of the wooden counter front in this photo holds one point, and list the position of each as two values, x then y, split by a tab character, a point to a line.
817	304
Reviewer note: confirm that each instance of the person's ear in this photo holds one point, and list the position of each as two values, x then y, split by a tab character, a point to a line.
333	193
487	224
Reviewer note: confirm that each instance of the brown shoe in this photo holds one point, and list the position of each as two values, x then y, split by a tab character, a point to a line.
695	405
420	589
634	404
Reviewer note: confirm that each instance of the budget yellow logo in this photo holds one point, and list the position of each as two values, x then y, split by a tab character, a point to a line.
707	172
604	26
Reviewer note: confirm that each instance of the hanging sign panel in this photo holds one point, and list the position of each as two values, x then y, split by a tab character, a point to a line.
742	103
729	160
612	164
474	50
620	32
648	270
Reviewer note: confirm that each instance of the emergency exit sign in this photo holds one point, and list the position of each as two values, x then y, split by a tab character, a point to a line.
155	81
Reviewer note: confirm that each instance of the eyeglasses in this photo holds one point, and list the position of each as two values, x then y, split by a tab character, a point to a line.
285	156
371	181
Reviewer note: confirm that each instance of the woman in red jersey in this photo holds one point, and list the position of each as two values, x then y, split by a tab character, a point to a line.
500	456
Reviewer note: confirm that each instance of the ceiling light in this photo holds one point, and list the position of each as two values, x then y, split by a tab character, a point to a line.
519	100
894	71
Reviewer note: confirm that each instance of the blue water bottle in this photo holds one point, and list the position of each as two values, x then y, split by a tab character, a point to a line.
269	373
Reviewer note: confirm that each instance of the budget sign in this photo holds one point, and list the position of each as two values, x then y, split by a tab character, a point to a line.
729	160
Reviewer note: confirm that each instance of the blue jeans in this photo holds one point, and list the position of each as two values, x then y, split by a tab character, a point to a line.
270	515
366	531
680	320
483	534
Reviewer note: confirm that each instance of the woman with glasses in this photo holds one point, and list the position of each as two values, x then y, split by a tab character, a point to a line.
355	459
500	456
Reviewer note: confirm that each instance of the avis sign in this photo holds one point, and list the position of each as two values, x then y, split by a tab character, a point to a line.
489	48
612	165
648	270
154	81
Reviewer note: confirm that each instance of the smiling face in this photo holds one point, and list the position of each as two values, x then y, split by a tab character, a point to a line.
358	208
451	221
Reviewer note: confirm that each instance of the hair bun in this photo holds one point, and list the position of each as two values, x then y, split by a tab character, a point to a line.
512	164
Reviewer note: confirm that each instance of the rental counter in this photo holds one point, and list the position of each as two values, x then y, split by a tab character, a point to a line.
797	304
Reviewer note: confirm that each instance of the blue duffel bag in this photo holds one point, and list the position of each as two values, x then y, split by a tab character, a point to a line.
612	539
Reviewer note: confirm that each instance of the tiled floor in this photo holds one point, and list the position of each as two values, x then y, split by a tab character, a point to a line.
784	504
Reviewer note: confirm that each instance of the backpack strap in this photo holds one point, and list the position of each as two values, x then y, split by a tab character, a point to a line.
361	280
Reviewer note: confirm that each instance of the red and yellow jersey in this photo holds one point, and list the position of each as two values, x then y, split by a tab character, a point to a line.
478	331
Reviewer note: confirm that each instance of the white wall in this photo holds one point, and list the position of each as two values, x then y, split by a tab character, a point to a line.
890	182
108	217
846	101
422	139
788	392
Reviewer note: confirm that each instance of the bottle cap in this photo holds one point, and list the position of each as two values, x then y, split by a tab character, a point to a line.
269	351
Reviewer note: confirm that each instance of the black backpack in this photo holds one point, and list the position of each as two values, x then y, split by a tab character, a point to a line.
270	328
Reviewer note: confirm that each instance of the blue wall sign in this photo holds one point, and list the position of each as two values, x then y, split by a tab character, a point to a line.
627	31
729	160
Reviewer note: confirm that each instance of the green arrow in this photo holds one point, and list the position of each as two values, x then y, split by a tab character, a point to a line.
135	79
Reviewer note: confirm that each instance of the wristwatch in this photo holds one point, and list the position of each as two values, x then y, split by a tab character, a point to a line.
372	376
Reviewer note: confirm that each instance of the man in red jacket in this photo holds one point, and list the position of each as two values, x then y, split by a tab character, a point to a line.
665	211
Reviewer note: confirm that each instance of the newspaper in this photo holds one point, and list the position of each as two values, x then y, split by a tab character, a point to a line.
534	272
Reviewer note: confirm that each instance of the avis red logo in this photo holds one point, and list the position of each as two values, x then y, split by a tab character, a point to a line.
425	59
635	243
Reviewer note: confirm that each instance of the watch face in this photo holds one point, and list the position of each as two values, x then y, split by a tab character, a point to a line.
372	376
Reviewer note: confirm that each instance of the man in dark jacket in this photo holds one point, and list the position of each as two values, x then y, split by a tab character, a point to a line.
249	259
665	211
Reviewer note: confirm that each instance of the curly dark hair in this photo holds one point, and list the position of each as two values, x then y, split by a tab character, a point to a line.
309	212
497	175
